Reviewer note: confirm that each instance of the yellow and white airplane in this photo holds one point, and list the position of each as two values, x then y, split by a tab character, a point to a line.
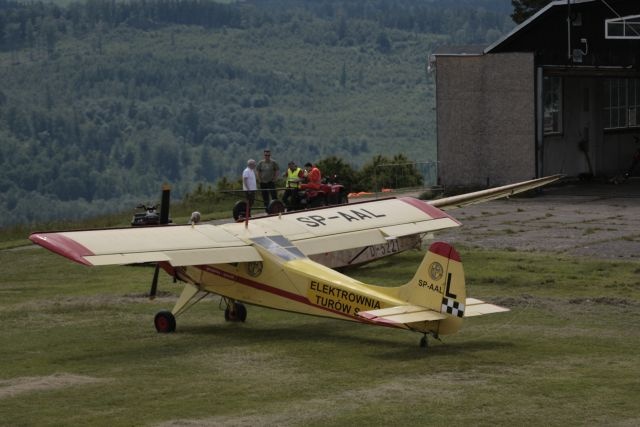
265	262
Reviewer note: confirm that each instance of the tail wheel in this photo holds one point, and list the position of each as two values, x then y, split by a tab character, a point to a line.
237	313
165	322
424	343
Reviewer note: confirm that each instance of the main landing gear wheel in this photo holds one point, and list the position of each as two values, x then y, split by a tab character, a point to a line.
165	322
235	312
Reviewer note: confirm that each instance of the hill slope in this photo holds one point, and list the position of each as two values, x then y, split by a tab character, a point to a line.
103	101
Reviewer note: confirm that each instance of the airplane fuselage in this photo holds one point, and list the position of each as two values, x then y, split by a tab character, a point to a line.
258	283
304	286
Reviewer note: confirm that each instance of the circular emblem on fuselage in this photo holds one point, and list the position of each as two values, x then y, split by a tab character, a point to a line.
435	271
254	268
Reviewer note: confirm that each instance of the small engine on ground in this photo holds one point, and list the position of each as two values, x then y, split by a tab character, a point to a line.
149	214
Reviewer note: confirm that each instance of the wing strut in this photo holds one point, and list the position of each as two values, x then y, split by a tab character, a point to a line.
154	283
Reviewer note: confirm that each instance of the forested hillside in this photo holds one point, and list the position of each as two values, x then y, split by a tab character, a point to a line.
102	101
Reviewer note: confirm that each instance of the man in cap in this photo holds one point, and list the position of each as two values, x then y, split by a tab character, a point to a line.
267	174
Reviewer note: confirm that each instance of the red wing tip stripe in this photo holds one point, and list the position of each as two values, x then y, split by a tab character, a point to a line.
427	208
445	250
62	245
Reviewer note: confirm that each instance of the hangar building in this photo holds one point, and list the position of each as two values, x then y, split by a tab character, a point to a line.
559	94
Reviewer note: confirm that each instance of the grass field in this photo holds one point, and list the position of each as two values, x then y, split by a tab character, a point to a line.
78	347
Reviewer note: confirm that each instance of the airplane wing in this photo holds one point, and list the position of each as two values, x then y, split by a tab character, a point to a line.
179	245
312	231
453	202
350	226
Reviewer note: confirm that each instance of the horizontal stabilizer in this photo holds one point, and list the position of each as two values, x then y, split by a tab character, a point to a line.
476	307
402	314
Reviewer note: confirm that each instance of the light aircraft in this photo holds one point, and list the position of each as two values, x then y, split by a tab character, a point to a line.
265	262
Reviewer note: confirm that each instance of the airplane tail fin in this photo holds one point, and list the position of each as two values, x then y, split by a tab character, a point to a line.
439	284
436	298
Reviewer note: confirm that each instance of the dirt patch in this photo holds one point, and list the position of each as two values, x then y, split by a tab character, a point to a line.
515	302
618	302
22	385
314	411
529	300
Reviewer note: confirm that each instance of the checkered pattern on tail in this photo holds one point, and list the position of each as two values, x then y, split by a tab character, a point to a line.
453	307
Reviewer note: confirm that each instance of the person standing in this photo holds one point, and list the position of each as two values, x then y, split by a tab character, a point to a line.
267	174
293	175
314	177
249	183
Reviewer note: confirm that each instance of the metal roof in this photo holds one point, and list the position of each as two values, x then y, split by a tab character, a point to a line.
531	19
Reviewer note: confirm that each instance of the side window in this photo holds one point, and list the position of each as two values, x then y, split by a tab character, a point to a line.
552	95
634	102
621	103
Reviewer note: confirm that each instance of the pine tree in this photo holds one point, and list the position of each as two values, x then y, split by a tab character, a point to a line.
523	9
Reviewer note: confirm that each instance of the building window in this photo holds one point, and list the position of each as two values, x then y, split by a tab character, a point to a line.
552	94
622	103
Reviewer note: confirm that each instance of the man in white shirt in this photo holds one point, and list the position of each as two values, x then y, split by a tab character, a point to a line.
249	182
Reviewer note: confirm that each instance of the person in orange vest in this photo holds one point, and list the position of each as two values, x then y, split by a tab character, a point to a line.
314	177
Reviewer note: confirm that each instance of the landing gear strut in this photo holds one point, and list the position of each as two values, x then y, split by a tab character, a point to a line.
235	312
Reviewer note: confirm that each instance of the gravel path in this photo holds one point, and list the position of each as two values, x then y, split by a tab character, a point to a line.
602	222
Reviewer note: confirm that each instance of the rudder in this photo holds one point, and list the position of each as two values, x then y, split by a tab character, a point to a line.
439	283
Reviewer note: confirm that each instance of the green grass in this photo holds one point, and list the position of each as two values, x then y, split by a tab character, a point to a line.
79	348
